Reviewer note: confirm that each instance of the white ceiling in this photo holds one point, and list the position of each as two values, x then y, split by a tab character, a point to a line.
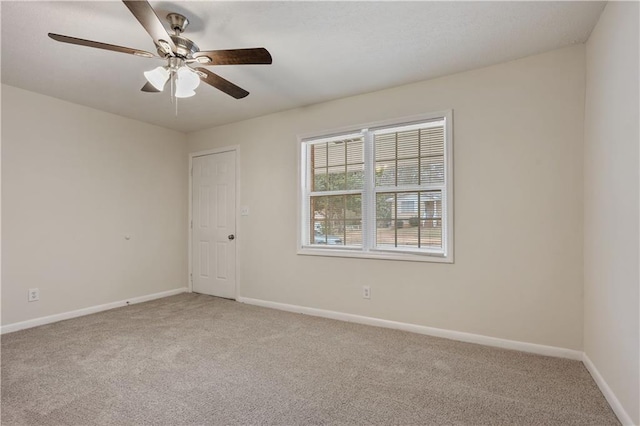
321	50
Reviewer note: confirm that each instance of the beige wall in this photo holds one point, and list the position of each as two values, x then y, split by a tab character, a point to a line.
518	148
611	191
75	181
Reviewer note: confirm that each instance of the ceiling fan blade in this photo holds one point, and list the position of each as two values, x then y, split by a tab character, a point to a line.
149	88
145	14
98	45
221	84
258	55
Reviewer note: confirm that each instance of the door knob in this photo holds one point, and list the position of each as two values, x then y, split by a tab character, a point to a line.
231	237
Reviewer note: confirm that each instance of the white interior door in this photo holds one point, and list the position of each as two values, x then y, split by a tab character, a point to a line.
214	224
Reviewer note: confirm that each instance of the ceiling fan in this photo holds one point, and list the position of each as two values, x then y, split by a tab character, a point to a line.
182	55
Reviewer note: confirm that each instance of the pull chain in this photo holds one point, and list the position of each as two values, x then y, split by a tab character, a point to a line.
174	100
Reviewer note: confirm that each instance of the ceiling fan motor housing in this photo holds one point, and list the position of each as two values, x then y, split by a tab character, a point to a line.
185	48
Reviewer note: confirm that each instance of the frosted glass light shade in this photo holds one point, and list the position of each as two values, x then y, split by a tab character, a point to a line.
184	93
157	77
186	82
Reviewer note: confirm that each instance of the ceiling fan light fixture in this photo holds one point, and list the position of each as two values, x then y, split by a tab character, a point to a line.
157	77
186	79
184	93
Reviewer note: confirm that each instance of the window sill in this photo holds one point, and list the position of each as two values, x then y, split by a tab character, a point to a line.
377	254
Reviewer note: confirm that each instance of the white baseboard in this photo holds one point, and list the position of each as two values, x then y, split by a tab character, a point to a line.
613	401
421	329
86	311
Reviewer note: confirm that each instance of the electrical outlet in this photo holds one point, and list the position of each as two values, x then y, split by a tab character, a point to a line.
366	292
34	294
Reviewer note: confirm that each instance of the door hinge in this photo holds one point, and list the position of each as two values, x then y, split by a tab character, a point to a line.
191	224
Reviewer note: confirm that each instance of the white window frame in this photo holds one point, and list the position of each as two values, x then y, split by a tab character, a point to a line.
368	249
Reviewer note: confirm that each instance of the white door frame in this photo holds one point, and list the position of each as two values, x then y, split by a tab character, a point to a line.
235	148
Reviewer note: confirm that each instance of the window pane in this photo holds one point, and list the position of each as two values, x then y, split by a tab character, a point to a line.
431	204
328	219
336	179
408	144
318	226
386	173
408	172
336	153
407	234
385	220
431	219
432	170
318	218
319	155
385	146
406	219
318	209
431	233
407	205
335	232
355	151
338	216
353	232
384	208
432	141
353	204
353	219
336	213
355	176
319	179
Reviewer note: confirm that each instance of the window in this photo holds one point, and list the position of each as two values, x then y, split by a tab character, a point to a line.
382	192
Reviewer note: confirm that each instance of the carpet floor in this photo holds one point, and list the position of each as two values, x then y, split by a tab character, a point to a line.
195	359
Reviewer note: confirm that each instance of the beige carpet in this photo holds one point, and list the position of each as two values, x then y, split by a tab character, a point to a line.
193	359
